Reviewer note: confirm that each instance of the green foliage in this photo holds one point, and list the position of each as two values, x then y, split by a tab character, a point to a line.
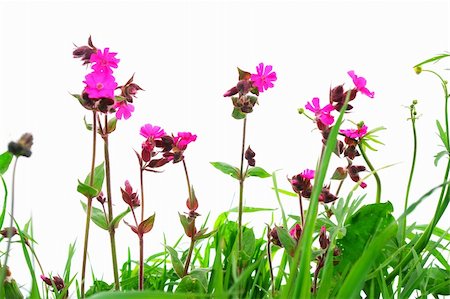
5	160
258	172
99	286
227	169
97	216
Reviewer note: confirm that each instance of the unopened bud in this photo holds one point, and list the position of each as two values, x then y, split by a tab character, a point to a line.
8	232
22	147
417	69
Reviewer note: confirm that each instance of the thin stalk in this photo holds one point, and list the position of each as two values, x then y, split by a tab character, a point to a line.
89	204
141	263
374	172
269	258
339	187
11	223
241	189
142	193
411	173
189	256
110	207
301	210
187	178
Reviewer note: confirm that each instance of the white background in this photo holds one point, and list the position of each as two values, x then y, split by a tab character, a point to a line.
184	55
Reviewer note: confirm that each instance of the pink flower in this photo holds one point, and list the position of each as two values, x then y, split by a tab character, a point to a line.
183	139
296	231
264	77
149	131
100	85
124	109
322	114
360	83
307	174
355	133
363	185
103	62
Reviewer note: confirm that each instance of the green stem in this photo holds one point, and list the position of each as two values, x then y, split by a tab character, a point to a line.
141	238
187	179
89	204
411	173
110	206
301	211
374	172
241	191
11	223
189	256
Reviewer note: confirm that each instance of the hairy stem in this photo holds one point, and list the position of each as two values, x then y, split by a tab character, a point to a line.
141	238
189	256
374	172
89	204
241	192
187	179
110	206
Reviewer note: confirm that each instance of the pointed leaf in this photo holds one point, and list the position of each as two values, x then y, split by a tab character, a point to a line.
87	190
190	284
5	160
146	225
119	217
203	235
250	210
87	125
112	125
97	216
339	174
227	169
248	244
99	175
442	135
243	75
438	156
286	240
258	172
238	114
176	263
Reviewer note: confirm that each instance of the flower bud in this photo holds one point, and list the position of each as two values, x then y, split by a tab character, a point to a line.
249	156
273	235
129	90
22	147
85	52
323	239
8	232
296	232
417	69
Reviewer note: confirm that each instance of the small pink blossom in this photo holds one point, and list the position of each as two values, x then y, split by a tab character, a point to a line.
264	77
322	114
355	133
296	231
100	85
149	131
124	109
307	174
104	61
363	185
183	139
360	83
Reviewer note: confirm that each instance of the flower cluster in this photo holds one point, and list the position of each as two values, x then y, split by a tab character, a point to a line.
324	120
248	88
159	148
100	84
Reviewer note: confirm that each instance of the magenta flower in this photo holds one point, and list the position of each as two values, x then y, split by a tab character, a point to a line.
355	133
322	114
124	109
100	85
264	77
363	185
149	131
360	83
183	139
307	174
104	61
296	232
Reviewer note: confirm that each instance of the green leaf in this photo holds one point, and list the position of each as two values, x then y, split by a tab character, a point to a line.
248	243
99	175
258	172
190	284
87	190
5	160
146	225
119	217
98	287
227	169
202	275
285	192
442	135
112	125
286	240
176	263
361	227
86	124
5	200
433	59
438	156
12	290
238	114
243	75
97	216
250	210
